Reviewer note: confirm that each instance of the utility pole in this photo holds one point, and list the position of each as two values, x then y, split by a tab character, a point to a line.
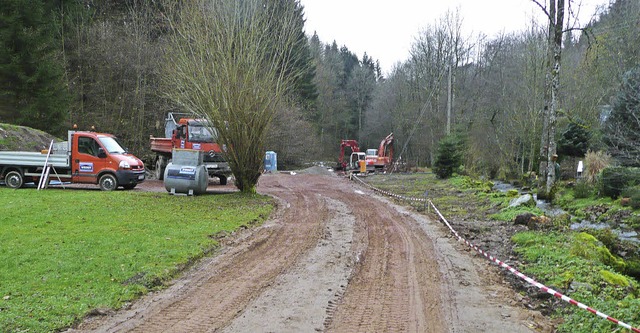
449	99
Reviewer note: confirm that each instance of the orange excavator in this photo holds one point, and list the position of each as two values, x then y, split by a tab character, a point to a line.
381	159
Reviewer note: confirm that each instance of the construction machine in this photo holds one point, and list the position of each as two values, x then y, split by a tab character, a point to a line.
353	145
381	159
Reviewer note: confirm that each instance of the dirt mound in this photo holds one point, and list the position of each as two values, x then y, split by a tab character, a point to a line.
21	138
316	170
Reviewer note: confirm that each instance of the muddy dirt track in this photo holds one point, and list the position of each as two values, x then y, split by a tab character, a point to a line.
335	257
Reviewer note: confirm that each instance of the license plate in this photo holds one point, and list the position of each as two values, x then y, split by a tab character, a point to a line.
141	177
214	166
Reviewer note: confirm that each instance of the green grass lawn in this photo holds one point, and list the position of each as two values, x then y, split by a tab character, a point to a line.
66	252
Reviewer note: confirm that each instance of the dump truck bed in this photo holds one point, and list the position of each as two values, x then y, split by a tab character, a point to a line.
161	145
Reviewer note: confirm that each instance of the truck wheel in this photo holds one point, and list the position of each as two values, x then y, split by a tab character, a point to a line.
108	182
13	179
223	180
161	164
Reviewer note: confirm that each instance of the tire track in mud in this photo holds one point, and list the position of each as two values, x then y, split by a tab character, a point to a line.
317	281
397	285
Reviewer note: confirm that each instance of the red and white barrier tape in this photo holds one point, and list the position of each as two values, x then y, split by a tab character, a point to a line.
504	265
387	193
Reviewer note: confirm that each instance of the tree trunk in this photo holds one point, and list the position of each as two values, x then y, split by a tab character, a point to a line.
548	146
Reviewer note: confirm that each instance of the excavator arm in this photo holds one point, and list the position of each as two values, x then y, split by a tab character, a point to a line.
353	144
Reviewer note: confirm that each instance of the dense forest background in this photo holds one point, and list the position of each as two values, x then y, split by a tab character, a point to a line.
101	62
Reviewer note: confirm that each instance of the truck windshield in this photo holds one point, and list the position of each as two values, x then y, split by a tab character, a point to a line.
200	133
112	145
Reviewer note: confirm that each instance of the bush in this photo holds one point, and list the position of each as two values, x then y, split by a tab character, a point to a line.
595	162
614	180
633	193
582	190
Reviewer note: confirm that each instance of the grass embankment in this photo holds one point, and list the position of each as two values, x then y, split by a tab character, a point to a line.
66	252
576	263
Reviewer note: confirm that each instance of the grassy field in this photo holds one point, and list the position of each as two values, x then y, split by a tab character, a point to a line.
66	252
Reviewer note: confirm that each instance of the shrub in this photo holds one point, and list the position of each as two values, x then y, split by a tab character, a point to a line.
594	163
614	180
633	193
582	190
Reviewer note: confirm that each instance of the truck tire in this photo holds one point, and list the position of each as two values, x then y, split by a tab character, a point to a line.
161	164
108	182
14	179
223	180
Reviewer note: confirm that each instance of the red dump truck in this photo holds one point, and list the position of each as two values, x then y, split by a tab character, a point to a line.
190	133
86	157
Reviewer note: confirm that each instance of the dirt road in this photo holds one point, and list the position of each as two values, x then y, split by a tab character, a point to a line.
334	258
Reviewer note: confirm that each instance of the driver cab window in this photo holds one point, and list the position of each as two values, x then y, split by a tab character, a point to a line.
88	146
180	132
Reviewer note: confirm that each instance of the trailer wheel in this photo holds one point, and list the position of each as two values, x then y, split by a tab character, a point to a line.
161	164
14	179
108	182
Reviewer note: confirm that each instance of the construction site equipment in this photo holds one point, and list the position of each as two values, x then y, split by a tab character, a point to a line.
86	157
353	145
190	133
381	159
187	173
357	162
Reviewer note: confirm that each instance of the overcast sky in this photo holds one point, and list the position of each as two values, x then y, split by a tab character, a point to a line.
385	29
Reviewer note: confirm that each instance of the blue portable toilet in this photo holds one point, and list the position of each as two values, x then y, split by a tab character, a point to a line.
270	161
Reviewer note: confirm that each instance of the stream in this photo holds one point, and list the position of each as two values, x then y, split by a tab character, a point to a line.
551	211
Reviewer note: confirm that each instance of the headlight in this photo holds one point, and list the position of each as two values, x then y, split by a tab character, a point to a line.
124	165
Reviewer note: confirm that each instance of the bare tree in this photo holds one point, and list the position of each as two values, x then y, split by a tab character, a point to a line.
435	56
230	63
555	15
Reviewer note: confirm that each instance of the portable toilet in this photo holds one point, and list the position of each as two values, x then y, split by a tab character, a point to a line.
270	161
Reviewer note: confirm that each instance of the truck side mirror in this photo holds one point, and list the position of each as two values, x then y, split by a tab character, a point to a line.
101	153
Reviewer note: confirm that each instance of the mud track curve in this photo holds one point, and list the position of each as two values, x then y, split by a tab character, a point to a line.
335	257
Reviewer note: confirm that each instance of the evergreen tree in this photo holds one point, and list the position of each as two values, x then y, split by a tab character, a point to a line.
32	90
574	140
622	127
300	64
448	156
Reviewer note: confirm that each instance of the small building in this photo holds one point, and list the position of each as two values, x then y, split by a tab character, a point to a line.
270	161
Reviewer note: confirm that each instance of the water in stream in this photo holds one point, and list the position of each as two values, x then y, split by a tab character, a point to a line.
551	211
